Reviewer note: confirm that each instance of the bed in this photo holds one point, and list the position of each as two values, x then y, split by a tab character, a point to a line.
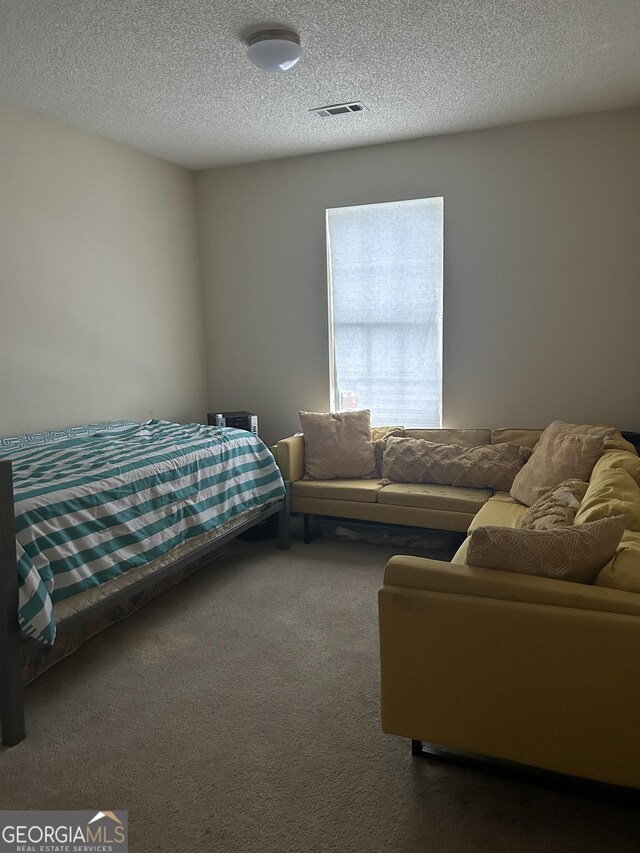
90	516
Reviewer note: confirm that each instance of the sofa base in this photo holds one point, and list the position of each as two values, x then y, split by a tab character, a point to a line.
312	529
549	682
526	773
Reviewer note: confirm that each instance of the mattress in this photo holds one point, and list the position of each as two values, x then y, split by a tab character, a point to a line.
93	505
70	635
87	598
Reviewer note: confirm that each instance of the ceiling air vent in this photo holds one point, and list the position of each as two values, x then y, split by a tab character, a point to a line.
338	109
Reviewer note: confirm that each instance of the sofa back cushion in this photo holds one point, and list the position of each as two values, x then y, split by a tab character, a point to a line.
528	437
412	460
612	491
616	441
623	571
461	437
564	451
338	445
627	461
614	486
576	553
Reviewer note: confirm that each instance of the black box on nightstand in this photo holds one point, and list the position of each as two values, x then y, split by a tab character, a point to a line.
238	420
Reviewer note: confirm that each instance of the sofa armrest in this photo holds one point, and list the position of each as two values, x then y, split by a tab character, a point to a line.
419	573
483	664
290	457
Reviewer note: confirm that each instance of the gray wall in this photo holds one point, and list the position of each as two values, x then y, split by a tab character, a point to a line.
542	289
100	297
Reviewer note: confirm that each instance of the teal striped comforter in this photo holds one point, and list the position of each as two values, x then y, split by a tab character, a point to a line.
92	506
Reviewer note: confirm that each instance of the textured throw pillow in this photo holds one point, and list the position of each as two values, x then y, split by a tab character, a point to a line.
337	444
556	508
488	466
575	553
560	428
565	451
379	436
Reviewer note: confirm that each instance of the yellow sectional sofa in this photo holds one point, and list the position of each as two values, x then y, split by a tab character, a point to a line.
413	504
532	670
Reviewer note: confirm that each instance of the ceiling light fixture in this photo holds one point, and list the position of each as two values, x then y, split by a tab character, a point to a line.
274	50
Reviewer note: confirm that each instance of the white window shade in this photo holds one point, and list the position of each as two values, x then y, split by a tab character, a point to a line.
385	310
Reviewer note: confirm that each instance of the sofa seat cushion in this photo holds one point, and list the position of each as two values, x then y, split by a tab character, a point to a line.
499	511
498	495
364	491
431	496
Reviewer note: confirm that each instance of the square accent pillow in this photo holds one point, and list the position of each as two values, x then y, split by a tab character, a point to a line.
487	466
338	445
564	452
576	553
556	508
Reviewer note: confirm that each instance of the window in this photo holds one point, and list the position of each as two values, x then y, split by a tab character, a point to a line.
385	310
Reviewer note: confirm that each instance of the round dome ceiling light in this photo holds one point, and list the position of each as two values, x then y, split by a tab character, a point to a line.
274	50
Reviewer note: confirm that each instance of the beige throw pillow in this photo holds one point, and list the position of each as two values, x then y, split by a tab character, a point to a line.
565	451
379	436
556	508
337	445
575	553
488	466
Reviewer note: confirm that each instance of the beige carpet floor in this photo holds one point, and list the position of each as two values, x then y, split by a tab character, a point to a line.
240	712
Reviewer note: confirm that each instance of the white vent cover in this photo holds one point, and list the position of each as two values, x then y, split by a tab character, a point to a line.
339	109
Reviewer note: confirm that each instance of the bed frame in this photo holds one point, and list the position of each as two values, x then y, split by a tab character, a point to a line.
12	721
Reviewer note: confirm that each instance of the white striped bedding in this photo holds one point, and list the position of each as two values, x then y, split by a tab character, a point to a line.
101	501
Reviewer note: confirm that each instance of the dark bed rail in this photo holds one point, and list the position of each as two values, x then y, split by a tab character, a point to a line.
11	690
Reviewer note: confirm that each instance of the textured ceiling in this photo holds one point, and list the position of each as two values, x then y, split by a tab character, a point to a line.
172	77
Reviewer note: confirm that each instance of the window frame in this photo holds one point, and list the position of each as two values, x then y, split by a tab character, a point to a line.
333	385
